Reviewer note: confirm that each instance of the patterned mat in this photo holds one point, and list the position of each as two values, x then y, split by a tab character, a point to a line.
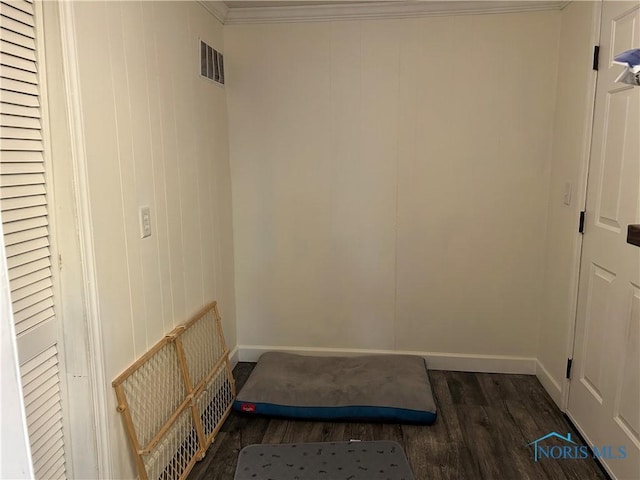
379	460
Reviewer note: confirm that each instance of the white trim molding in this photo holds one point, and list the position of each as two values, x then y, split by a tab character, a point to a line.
435	361
217	9
231	15
233	357
553	388
581	199
97	375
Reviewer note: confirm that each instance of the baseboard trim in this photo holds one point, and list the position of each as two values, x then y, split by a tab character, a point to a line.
553	388
435	361
233	356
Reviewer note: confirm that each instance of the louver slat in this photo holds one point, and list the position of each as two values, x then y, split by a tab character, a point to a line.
13	10
28	268
18	86
36	297
33	310
18	110
24	247
17	180
22	6
36	287
17	50
17	156
23	201
11	36
15	26
27	257
31	279
50	460
44	441
17	98
25	236
38	413
35	369
20	203
20	133
19	121
10	216
19	144
44	423
34	320
17	69
25	224
47	471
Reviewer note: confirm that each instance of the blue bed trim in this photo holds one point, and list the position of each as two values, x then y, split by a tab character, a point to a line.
351	412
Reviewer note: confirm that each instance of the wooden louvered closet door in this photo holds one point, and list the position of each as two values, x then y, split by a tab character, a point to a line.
23	201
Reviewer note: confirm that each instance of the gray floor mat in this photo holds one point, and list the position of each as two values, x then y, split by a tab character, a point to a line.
378	460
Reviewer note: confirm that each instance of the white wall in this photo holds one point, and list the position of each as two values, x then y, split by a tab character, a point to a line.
571	139
390	182
156	134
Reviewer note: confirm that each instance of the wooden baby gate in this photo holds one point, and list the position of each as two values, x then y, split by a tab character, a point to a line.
175	398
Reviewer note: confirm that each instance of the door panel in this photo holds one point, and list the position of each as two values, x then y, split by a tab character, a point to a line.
24	214
593	353
604	396
627	409
617	112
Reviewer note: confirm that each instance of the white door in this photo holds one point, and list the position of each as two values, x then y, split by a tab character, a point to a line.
24	199
604	396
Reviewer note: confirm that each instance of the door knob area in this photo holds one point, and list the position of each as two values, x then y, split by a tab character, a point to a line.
633	235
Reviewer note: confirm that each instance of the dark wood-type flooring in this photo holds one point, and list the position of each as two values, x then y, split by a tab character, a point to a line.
485	422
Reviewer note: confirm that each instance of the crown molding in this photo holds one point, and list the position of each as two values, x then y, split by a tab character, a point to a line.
372	10
217	9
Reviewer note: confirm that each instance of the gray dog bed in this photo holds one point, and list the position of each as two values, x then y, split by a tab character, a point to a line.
380	460
392	388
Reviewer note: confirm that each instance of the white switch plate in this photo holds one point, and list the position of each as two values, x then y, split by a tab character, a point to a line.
145	222
566	195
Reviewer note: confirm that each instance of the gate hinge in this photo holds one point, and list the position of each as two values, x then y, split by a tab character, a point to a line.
596	56
581	223
569	363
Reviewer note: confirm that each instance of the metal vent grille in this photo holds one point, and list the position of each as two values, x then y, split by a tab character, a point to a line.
211	63
175	397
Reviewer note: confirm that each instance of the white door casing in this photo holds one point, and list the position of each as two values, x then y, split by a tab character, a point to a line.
604	396
87	389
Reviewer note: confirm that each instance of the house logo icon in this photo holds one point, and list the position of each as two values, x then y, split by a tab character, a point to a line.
537	449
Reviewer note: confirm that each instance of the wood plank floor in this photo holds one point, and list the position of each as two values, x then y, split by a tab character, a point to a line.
485	422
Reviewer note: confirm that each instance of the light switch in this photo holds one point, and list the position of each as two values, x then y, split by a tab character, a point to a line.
145	222
566	195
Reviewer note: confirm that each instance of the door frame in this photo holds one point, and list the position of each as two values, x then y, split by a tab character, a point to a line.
89	450
573	347
76	166
587	129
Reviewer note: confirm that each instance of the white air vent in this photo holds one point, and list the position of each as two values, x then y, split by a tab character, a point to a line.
211	63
